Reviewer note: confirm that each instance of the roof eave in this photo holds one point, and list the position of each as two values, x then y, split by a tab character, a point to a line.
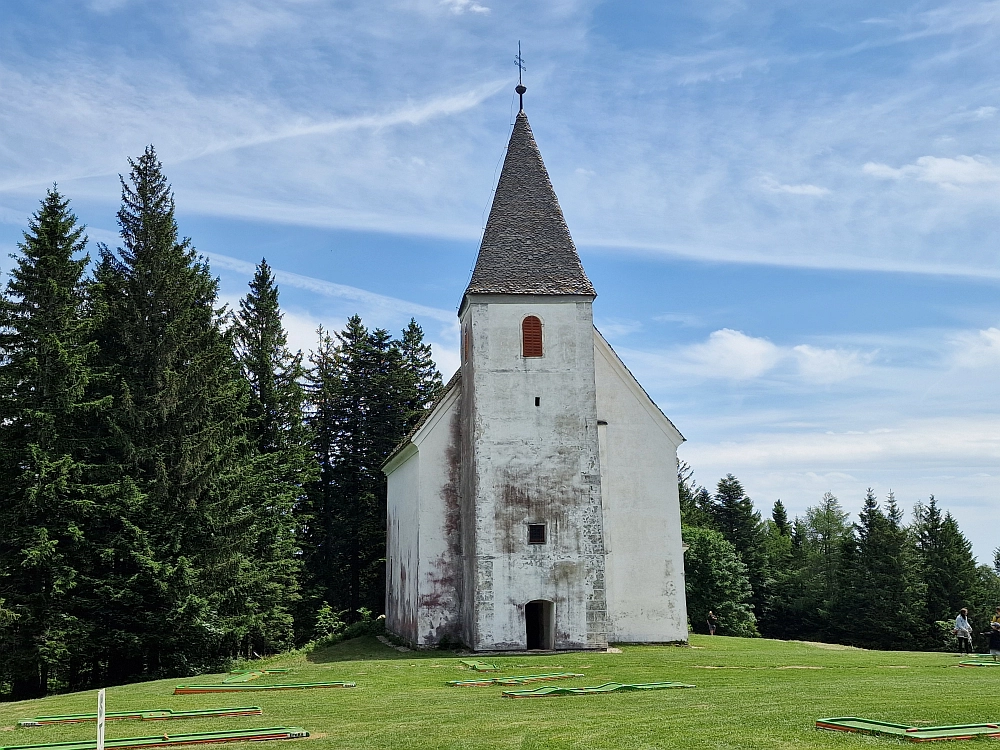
523	298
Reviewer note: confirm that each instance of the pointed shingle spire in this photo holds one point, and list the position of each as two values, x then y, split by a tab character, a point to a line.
527	248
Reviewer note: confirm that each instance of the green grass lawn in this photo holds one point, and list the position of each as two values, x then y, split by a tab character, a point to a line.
750	694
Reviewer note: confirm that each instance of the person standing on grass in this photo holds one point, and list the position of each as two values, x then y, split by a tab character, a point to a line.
993	634
963	631
713	622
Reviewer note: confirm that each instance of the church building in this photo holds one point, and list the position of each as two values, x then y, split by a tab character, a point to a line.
535	506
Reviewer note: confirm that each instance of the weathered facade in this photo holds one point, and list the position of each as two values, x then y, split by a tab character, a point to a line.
536	505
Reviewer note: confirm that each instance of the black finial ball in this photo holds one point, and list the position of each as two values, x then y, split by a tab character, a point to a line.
520	89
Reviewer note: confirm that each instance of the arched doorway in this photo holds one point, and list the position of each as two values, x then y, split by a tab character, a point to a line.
538	624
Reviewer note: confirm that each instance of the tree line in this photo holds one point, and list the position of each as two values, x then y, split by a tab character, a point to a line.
177	487
882	581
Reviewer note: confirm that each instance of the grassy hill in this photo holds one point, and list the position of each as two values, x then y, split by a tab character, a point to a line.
750	694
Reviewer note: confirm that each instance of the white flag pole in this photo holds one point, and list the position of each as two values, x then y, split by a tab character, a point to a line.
100	719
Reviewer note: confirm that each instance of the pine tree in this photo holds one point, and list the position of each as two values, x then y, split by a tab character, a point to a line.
178	435
47	491
827	530
695	501
280	465
735	517
780	518
421	379
365	391
949	569
357	410
881	591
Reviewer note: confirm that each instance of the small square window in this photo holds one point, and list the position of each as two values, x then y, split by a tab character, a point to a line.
536	533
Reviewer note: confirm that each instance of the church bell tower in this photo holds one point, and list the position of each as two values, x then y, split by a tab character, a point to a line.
532	537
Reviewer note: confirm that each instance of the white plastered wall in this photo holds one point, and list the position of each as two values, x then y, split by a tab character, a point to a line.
642	529
439	576
533	464
402	540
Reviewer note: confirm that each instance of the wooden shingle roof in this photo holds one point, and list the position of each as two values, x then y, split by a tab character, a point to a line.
527	248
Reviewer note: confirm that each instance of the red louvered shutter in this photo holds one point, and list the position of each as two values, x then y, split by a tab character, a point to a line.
531	337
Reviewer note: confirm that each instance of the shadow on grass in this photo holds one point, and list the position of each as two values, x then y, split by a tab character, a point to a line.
367	647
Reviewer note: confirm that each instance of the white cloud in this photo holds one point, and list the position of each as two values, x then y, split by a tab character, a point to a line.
731	354
463	6
977	349
829	365
985	113
943	171
772	185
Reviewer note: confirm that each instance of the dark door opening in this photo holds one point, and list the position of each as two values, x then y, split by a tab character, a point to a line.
538	624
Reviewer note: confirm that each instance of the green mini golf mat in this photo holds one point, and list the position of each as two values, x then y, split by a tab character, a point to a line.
486	681
607	687
975	663
481	666
165	740
913	734
246	675
197	689
146	715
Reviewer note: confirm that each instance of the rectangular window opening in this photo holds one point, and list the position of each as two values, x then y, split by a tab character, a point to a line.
538	401
536	533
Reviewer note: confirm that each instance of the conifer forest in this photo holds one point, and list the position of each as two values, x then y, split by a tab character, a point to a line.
178	489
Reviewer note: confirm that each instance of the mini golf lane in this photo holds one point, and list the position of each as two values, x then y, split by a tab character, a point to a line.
152	714
607	687
487	681
913	734
198	689
173	740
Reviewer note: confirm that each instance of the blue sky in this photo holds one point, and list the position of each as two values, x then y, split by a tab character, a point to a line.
790	210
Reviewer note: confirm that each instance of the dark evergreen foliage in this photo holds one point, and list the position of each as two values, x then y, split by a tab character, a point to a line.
365	392
47	494
734	516
881	596
178	563
280	464
949	569
780	518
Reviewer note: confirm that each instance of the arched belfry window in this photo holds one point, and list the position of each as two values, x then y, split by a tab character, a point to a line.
531	337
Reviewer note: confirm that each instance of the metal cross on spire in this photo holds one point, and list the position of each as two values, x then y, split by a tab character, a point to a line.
520	88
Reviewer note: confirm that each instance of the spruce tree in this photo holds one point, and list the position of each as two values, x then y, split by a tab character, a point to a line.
695	501
47	492
358	415
279	466
421	381
827	529
881	591
780	518
365	392
949	569
178	435
735	517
